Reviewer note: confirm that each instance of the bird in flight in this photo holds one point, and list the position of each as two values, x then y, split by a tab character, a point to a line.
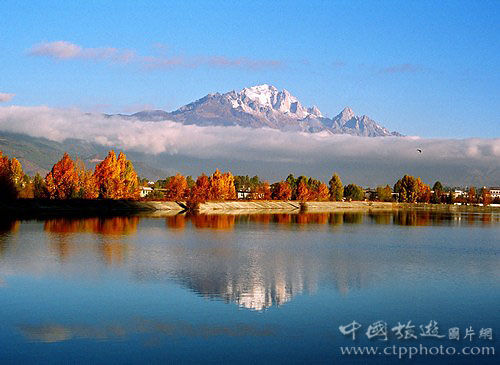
419	150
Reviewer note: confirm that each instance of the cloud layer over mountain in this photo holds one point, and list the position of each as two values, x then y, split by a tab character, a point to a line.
477	160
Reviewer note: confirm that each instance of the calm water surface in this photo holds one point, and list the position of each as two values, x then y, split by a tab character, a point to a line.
244	288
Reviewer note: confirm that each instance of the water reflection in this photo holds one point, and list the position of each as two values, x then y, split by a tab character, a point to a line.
51	333
106	226
233	258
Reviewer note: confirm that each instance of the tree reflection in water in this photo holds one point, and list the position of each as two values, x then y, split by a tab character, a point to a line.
7	227
111	249
396	217
254	273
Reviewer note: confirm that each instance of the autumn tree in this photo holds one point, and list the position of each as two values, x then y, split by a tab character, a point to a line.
176	187
62	181
323	193
485	196
17	174
407	187
314	186
354	192
221	186
281	191
471	195
423	192
262	192
116	178
129	183
302	191
87	185
199	192
107	176
336	188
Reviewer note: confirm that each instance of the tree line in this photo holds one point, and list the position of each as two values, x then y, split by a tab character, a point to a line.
112	178
115	178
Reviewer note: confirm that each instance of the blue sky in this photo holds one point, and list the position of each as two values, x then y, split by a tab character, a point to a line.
423	68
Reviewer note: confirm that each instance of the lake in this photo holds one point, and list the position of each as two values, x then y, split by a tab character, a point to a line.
256	288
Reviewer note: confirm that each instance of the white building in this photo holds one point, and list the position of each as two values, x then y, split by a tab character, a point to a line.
145	190
495	192
244	194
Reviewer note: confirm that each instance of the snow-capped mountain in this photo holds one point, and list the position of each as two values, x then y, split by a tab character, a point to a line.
266	106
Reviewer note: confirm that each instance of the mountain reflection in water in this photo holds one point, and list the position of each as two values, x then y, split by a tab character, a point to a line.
254	260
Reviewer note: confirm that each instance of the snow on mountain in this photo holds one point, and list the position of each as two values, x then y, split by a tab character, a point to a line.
265	106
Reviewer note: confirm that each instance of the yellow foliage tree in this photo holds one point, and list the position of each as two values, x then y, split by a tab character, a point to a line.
116	178
221	186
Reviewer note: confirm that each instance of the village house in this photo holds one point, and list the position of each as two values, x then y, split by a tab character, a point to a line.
495	192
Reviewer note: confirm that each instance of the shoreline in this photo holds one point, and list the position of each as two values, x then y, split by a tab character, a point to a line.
41	207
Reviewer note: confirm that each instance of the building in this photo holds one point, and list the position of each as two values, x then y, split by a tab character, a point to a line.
145	190
495	192
244	194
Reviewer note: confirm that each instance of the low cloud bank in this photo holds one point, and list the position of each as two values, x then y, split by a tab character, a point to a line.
474	156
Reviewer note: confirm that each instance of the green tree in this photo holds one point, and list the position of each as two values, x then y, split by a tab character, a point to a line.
384	193
336	188
438	186
39	187
354	192
190	181
292	182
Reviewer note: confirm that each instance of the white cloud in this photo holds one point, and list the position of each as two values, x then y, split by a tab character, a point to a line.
66	50
63	50
257	145
4	97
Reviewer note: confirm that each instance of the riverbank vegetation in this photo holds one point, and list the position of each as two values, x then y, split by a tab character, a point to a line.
115	178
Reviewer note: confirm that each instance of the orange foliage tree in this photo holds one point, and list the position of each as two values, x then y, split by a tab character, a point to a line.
62	181
262	192
323	193
423	192
471	195
281	191
485	196
221	186
87	187
177	187
116	178
199	191
302	191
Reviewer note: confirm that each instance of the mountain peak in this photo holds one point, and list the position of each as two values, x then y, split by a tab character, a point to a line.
265	106
346	114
